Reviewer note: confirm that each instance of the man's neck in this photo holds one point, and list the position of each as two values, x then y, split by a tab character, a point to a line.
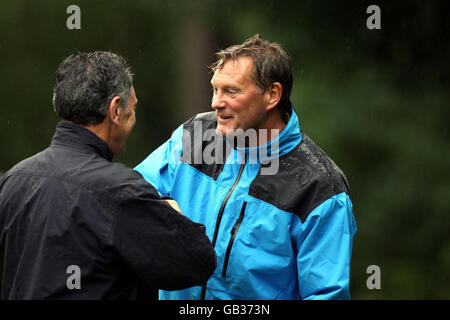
102	131
273	126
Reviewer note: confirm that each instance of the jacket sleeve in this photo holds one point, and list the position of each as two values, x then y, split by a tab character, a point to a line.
324	248
165	249
158	168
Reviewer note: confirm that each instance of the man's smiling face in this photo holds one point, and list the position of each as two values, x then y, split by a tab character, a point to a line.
239	103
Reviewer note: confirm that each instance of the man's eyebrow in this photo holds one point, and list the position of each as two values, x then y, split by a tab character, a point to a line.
227	87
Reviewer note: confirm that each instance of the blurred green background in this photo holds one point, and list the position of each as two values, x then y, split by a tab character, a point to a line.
377	101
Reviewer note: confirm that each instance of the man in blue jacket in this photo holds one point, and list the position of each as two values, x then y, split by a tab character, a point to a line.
275	206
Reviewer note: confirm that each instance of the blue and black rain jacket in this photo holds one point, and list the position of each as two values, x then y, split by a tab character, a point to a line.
281	220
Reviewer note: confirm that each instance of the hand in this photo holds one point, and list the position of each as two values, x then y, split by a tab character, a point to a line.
174	205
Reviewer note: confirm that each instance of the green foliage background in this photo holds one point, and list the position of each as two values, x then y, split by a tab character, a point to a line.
377	101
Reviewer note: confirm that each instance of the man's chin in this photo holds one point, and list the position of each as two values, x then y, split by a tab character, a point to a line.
222	131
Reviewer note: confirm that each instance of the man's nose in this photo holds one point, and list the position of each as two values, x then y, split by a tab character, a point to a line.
217	101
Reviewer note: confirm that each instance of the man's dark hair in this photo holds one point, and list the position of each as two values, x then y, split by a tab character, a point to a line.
271	63
87	82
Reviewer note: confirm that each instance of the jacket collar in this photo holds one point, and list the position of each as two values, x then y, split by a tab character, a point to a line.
284	142
72	135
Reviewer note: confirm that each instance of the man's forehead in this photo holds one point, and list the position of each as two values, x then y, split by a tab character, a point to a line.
133	93
239	69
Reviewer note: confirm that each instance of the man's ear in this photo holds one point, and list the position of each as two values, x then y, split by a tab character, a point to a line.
115	109
274	95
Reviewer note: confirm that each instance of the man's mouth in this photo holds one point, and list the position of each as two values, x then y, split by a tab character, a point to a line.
224	117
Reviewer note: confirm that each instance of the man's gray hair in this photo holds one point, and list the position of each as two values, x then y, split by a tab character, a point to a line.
87	82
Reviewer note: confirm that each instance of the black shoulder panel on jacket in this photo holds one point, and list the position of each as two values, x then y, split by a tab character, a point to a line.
200	139
306	177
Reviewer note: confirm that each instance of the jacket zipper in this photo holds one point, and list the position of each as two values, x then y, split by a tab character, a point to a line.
233	232
219	216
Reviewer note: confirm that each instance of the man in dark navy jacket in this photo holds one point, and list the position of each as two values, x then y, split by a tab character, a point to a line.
74	225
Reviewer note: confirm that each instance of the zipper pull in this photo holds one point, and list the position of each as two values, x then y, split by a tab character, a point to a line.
233	230
238	220
236	224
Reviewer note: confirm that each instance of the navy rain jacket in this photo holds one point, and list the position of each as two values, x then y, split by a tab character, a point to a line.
69	209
